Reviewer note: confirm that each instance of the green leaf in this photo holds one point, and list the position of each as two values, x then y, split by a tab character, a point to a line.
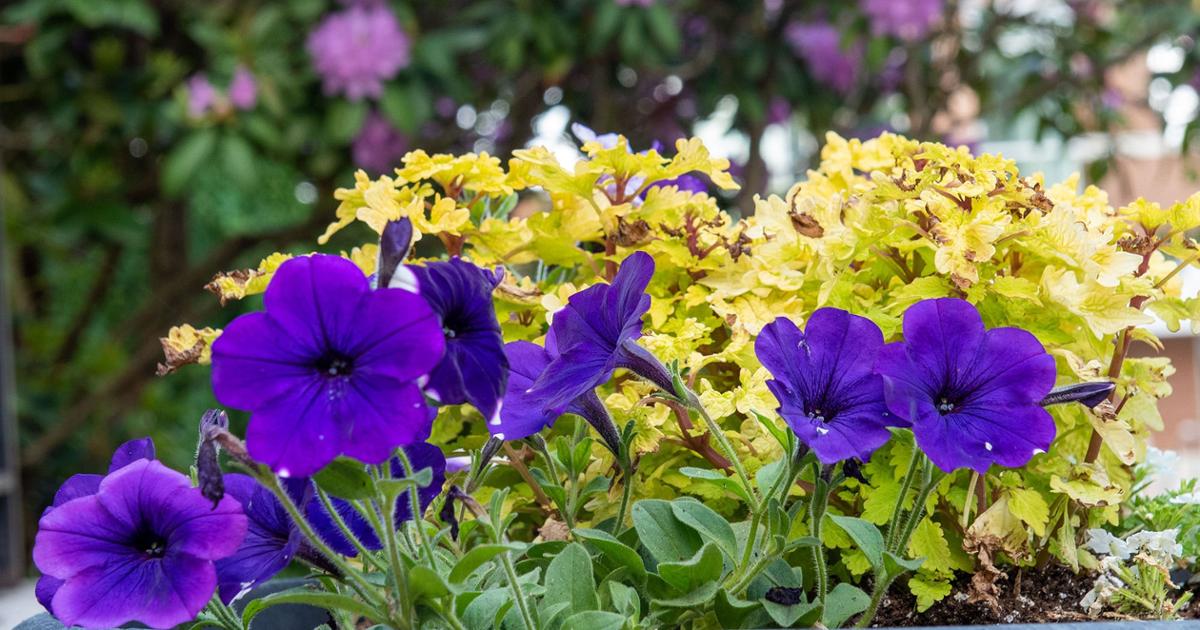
697	597
344	120
624	599
928	590
843	602
569	579
719	479
614	550
406	105
185	159
1029	506
475	558
427	583
929	542
320	599
662	26
711	526
803	614
346	478
594	620
895	566
704	567
238	160
865	535
486	610
733	612
663	535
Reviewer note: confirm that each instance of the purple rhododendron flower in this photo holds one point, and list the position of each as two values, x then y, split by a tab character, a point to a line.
972	395
201	95
474	368
138	544
357	49
825	384
421	455
909	20
330	367
271	541
596	333
820	45
243	90
378	146
525	411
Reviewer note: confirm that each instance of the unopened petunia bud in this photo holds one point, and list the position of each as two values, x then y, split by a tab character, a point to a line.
1086	394
393	249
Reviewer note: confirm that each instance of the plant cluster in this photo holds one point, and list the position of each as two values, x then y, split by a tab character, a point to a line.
148	143
859	378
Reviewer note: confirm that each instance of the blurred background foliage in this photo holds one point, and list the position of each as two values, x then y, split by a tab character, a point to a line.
148	144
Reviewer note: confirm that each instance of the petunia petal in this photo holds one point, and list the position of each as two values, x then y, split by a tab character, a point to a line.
76	486
76	536
316	299
396	333
131	451
568	377
160	593
303	432
270	543
523	414
256	362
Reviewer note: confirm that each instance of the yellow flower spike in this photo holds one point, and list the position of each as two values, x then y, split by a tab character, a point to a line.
235	285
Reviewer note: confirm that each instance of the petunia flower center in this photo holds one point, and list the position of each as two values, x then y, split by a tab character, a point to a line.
335	365
150	544
945	405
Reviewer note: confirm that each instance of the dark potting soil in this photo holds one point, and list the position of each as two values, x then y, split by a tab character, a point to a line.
1048	595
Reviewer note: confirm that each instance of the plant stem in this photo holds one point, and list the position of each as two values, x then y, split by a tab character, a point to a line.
898	511
352	575
816	514
626	494
877	593
719	435
966	509
932	477
518	593
341	524
398	572
417	515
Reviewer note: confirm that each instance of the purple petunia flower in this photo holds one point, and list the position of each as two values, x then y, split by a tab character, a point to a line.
824	382
357	49
330	367
378	146
201	95
972	395
820	45
908	20
596	333
474	368
243	90
138	544
421	455
271	541
525	412
83	485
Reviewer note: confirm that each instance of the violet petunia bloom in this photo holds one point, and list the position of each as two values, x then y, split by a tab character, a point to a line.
525	411
243	90
829	63
356	50
421	455
474	368
825	384
271	541
972	395
909	20
141	546
330	367
83	485
597	333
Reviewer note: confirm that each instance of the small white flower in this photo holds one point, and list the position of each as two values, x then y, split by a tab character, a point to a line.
1101	542
1162	545
1188	498
1160	462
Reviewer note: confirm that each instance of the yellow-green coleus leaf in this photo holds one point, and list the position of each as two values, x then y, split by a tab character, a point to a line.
929	589
1029	506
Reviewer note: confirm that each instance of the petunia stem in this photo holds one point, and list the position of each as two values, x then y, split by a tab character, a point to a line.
511	572
397	572
222	614
418	517
626	495
341	524
816	514
898	511
715	429
271	483
970	498
931	477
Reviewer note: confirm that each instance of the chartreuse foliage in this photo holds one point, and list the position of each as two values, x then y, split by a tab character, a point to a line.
878	226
